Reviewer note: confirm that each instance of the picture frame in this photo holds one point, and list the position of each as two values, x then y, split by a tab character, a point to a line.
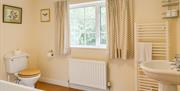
45	15
12	14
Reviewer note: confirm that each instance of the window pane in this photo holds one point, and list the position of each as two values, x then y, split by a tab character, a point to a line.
74	40
103	32
90	19
83	25
82	39
103	38
77	25
77	19
91	39
82	21
103	19
90	25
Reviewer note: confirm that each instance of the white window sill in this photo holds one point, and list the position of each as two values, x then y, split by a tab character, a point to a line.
88	47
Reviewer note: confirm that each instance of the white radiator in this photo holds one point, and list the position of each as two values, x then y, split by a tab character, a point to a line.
90	73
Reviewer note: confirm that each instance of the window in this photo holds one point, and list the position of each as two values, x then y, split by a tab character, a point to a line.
88	25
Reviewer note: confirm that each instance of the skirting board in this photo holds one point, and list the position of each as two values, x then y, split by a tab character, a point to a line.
65	84
54	81
85	88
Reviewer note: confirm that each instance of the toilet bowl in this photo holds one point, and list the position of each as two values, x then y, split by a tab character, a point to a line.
28	77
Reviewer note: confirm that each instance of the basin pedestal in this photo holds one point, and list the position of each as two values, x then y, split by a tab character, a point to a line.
167	87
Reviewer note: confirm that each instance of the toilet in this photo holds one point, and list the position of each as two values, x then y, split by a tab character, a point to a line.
17	65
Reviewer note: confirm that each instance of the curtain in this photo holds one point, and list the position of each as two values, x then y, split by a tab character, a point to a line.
62	46
120	28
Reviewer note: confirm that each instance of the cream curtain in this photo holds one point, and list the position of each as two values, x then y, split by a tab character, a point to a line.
62	46
120	28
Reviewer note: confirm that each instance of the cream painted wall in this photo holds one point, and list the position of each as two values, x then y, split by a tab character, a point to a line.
54	69
151	11
148	11
178	39
0	41
178	35
121	72
57	68
38	38
15	36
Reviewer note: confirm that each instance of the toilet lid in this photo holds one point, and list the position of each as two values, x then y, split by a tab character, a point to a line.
29	72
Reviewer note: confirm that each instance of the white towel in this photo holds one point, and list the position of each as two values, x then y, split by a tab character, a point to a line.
144	52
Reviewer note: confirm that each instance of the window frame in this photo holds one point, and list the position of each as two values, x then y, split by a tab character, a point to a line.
97	5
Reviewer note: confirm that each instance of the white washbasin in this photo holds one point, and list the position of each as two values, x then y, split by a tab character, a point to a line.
164	72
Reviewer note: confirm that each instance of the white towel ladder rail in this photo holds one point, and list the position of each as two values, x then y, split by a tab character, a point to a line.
157	34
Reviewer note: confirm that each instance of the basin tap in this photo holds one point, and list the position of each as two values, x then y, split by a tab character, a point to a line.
177	62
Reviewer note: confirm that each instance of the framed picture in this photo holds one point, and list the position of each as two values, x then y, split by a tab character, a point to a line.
45	15
12	14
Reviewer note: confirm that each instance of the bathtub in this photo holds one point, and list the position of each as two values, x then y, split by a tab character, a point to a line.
8	86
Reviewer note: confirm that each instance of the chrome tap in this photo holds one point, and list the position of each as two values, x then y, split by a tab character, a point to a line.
177	62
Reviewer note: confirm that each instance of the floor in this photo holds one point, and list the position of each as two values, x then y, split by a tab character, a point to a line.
50	87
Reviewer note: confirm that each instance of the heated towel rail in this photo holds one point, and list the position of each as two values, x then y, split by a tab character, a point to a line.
157	34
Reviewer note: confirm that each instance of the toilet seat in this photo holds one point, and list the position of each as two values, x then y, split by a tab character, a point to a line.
28	73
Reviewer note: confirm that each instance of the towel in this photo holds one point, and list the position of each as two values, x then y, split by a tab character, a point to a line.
144	52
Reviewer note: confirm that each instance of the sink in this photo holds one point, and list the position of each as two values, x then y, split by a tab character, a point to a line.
164	72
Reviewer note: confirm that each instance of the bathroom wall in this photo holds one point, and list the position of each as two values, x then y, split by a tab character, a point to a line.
37	39
0	42
178	36
148	11
20	36
55	70
178	39
151	11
